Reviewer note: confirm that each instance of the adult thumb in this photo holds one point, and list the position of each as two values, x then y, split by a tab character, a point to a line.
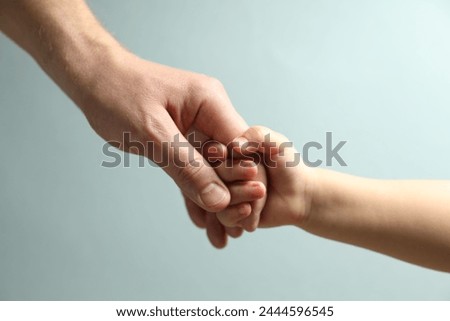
187	167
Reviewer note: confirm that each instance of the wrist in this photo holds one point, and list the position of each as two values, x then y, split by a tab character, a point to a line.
333	194
312	195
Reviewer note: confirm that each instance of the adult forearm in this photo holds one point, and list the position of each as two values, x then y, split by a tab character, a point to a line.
63	36
409	220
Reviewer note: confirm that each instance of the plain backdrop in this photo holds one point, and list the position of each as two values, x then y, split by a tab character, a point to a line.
375	73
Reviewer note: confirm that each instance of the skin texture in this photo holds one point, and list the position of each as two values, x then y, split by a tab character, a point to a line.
121	93
405	219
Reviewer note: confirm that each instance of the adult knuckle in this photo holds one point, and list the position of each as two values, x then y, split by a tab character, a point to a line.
207	86
216	84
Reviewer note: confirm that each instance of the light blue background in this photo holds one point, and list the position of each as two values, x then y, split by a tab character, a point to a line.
375	73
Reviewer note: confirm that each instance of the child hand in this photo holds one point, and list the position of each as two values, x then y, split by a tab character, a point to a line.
289	189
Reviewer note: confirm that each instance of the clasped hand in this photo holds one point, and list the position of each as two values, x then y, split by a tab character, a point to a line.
268	184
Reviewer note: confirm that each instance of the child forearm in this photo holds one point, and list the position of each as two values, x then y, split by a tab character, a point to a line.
409	220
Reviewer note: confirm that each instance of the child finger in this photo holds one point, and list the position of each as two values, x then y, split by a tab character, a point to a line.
237	170
259	139
246	191
233	214
251	222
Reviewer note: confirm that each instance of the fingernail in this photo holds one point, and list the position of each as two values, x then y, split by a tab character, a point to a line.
213	194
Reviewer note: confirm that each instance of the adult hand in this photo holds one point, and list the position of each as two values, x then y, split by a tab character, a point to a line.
121	93
159	104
